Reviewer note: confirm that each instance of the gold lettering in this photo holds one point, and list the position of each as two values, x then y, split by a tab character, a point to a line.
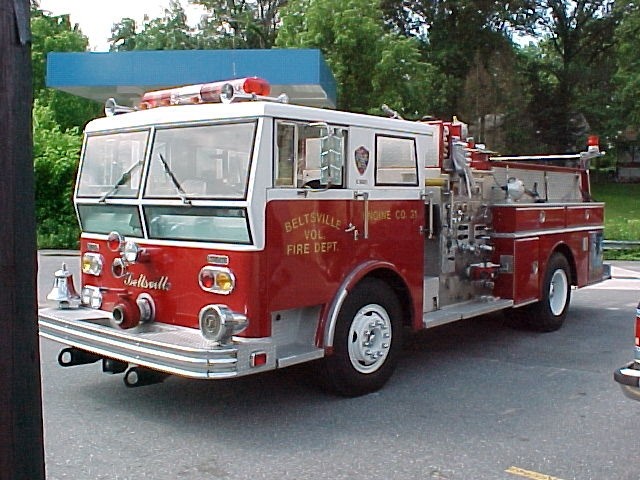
143	282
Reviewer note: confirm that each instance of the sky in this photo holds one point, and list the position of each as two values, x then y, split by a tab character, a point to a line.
96	17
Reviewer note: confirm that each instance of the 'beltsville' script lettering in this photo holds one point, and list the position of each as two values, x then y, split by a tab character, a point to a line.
143	282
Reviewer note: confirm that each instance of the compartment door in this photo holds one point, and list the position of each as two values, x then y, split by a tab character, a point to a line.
526	270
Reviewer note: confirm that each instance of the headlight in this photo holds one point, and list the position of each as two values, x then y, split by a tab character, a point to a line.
218	323
118	267
131	252
115	242
92	263
217	280
91	296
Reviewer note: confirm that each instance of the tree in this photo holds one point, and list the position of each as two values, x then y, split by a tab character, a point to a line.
56	34
371	67
55	159
578	42
57	117
240	23
169	32
627	75
454	34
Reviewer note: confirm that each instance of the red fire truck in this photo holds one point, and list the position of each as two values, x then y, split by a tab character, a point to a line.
226	233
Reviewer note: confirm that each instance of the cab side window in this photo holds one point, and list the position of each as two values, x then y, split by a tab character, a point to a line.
298	155
396	161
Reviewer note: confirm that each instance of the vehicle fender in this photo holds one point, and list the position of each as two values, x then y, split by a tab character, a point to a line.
329	318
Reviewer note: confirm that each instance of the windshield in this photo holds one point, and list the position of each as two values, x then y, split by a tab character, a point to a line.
210	161
112	165
123	219
212	224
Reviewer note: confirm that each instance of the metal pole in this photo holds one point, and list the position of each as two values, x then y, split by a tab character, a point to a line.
21	442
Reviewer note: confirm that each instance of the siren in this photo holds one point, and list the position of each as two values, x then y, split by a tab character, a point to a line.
249	88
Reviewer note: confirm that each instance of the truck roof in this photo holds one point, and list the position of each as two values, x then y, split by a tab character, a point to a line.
253	109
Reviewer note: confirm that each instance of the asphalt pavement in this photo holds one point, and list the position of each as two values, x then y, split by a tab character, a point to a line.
473	400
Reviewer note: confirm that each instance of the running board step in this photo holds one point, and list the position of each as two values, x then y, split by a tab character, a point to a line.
293	353
460	311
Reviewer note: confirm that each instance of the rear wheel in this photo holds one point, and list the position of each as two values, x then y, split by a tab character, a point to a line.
548	314
367	340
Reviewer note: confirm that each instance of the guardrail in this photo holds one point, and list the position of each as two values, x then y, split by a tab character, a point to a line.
621	245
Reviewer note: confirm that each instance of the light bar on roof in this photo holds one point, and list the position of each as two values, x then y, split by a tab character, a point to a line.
215	92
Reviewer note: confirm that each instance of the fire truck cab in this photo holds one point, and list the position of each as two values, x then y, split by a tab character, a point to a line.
226	239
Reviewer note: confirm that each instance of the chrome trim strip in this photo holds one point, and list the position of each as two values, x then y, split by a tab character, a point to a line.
168	348
529	233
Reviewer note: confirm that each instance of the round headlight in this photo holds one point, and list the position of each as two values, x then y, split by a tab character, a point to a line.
115	241
131	252
92	264
118	267
91	296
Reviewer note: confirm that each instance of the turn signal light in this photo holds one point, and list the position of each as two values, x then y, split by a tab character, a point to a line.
217	279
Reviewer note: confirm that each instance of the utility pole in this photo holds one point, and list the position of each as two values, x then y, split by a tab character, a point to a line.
21	442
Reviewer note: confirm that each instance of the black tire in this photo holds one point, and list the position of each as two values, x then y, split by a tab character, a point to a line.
371	314
548	314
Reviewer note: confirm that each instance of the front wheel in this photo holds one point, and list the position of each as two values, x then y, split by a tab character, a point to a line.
548	314
367	340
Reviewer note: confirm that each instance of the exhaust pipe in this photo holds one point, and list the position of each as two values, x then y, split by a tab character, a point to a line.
140	376
69	357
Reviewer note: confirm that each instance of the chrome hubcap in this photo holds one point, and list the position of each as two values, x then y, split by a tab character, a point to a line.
369	338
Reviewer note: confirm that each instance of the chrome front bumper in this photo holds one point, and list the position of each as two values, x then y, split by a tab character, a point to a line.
629	379
159	346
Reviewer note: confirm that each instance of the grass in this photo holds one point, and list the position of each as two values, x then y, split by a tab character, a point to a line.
621	215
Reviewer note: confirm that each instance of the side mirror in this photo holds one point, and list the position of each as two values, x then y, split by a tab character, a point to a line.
331	159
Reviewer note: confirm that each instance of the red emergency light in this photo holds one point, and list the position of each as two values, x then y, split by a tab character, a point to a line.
215	92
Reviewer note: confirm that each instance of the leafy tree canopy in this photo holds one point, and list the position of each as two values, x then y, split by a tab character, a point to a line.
56	34
169	32
371	66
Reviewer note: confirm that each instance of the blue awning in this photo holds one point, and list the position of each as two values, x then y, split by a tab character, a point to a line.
302	74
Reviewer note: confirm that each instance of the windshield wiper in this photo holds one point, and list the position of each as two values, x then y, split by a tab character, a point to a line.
124	178
174	180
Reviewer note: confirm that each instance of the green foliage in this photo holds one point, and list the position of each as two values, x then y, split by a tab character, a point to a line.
57	117
371	67
169	32
632	254
56	34
239	23
627	76
55	156
622	209
622	216
574	59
